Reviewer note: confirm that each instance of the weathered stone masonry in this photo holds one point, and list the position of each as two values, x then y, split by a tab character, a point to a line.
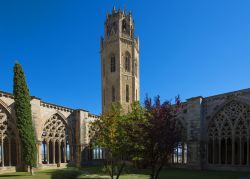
61	133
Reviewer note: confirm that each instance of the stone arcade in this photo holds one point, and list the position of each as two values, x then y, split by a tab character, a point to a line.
215	130
61	133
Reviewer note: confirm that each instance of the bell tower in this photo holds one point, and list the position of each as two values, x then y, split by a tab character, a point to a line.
119	61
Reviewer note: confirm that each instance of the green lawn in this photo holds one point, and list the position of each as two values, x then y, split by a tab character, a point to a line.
95	172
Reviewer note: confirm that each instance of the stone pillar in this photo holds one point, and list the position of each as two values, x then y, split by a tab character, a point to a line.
177	157
9	152
70	153
248	152
39	152
59	152
2	151
17	154
183	153
226	151
195	138
219	151
47	148
233	151
213	152
65	152
54	152
240	151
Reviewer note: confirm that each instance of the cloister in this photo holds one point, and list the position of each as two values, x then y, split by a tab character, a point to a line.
229	135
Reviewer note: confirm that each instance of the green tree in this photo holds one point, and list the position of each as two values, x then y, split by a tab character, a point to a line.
108	133
24	118
134	126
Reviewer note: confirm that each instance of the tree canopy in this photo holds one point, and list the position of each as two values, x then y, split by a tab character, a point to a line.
24	117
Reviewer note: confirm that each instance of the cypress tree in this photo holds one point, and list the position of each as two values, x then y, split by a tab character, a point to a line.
24	118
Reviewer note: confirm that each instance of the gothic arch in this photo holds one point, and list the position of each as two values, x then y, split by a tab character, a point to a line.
112	61
229	134
9	137
127	61
180	152
5	106
55	139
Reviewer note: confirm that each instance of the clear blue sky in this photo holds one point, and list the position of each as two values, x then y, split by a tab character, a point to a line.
189	47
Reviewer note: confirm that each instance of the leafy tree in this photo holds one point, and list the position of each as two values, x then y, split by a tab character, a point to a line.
24	118
108	132
161	134
134	125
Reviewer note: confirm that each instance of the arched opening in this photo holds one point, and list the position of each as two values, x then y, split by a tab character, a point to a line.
228	134
180	151
127	62
55	145
112	63
8	139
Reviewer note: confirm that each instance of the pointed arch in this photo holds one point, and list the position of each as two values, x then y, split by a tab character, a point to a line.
55	138
229	127
5	106
8	136
127	62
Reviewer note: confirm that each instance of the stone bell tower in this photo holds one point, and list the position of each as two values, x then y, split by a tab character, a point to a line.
119	61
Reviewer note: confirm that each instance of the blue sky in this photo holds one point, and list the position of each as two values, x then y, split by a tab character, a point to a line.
191	48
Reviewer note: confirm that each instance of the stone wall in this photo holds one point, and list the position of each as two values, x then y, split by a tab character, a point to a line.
77	122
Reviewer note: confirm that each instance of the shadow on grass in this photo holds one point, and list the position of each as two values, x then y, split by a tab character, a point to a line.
66	174
2	175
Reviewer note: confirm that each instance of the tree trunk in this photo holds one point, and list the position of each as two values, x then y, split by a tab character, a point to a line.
31	170
120	171
158	171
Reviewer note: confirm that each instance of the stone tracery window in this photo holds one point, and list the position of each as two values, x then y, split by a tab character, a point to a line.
8	137
229	135
55	141
180	152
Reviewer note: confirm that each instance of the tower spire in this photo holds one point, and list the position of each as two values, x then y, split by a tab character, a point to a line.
119	61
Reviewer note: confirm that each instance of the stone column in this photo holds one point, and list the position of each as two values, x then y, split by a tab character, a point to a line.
219	151
47	148
17	154
65	152
71	153
54	152
183	152
2	152
248	151
213	152
240	151
177	153
9	152
39	152
59	152
233	151
226	151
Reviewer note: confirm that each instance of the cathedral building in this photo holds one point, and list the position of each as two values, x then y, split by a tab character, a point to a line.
215	129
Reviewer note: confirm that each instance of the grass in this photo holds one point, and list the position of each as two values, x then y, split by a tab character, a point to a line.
96	172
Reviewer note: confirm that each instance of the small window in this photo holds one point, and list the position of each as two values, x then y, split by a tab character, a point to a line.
127	63
127	93
113	94
112	64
